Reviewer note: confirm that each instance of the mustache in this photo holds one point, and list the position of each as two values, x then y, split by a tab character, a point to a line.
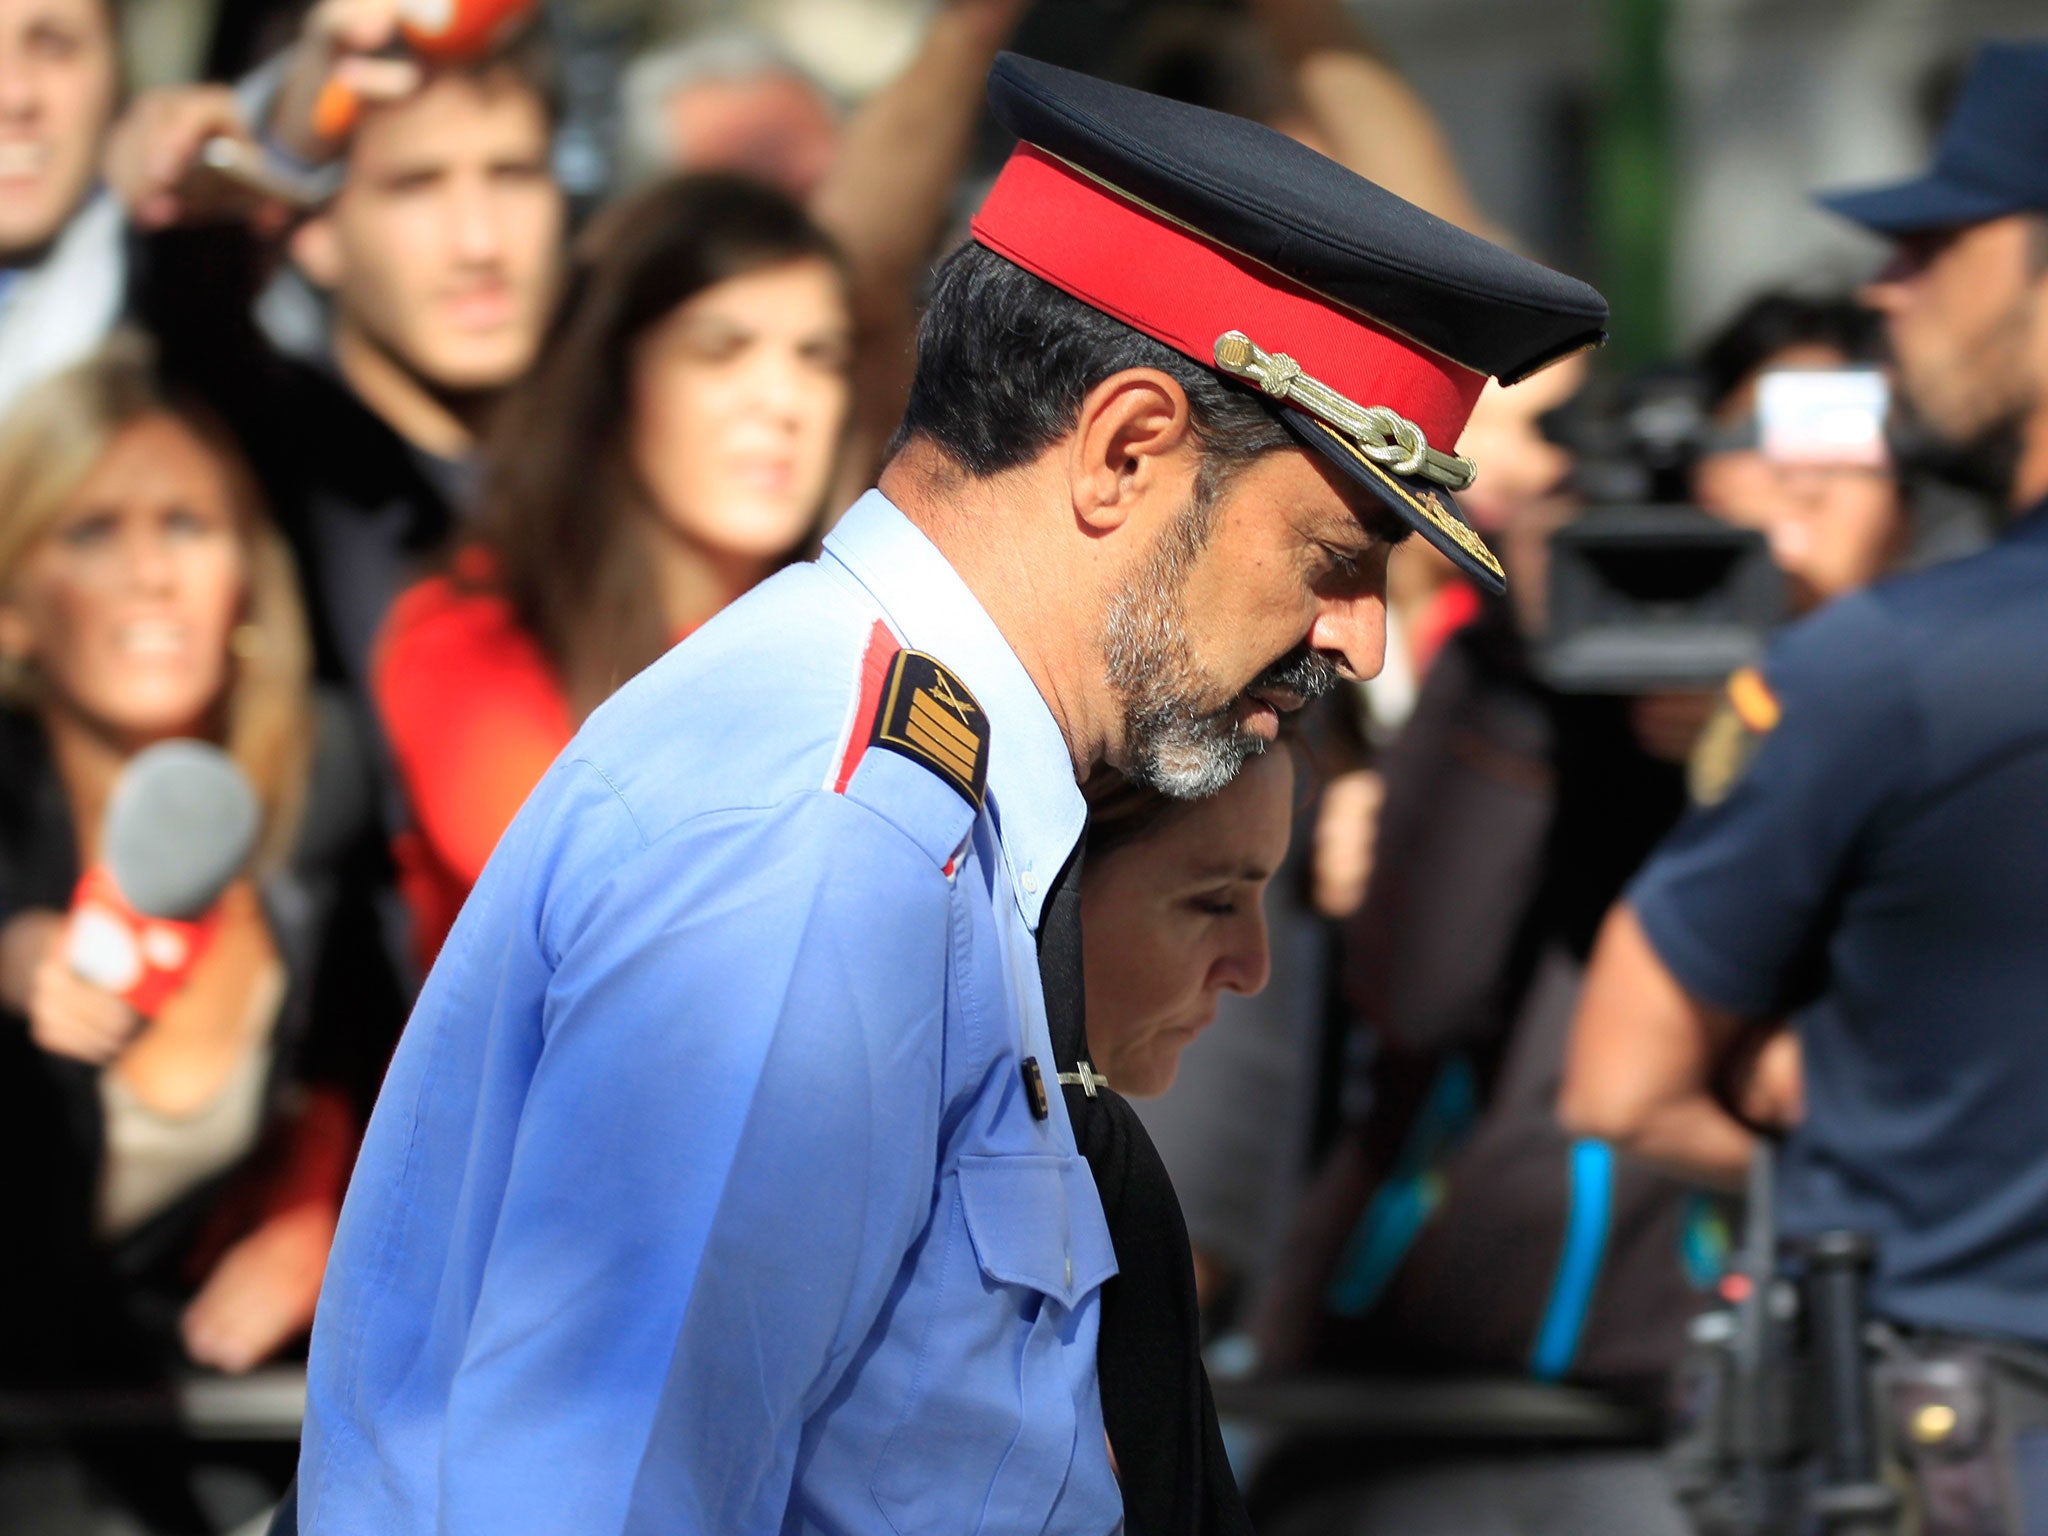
1303	672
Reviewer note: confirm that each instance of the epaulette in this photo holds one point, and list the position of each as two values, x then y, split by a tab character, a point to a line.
911	708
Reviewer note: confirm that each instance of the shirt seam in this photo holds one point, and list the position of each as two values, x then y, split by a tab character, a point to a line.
625	805
753	808
1699	970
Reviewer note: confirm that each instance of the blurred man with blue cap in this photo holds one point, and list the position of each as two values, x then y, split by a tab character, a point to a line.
1869	861
1962	297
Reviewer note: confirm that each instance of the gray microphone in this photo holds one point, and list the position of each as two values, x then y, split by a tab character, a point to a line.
181	824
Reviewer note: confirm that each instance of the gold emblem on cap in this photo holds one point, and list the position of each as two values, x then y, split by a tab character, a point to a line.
1428	506
1378	432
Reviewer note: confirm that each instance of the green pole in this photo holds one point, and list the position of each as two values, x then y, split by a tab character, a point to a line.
1632	196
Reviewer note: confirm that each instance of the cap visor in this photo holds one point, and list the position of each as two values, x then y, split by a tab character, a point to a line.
1928	203
1421	504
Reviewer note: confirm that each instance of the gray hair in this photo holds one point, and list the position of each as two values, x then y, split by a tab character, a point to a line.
647	139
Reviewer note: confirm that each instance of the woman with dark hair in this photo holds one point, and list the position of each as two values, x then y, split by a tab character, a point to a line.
673	447
1172	912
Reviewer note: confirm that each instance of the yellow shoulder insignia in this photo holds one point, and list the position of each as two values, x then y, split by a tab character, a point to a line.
1752	700
928	716
1749	713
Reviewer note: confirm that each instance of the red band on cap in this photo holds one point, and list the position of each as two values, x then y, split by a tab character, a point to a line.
1162	278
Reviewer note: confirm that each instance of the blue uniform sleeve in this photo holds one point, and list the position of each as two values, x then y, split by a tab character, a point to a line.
1735	898
728	1146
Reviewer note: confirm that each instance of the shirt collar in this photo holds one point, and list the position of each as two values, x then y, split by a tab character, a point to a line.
1039	809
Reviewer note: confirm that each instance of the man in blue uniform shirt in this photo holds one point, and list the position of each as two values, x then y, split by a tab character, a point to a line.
716	1185
1872	856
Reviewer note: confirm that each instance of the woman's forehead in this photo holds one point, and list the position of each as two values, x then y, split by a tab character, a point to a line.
1240	832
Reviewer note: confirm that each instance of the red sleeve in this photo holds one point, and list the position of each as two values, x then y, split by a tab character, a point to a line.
474	715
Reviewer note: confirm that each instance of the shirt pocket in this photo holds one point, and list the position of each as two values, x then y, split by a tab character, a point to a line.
1003	1412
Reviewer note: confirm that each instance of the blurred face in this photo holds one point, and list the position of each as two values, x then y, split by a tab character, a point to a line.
774	128
739	400
1171	922
57	88
126	605
1832	528
1969	326
1210	639
1517	463
443	245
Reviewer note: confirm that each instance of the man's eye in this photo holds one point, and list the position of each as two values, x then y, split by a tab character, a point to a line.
55	44
1215	904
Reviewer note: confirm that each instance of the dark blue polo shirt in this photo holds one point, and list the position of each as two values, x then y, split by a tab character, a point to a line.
1879	872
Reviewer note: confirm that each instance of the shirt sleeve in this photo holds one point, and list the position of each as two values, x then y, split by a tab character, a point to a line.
1735	898
728	1145
474	715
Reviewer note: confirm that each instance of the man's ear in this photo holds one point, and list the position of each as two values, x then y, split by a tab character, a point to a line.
316	251
1135	435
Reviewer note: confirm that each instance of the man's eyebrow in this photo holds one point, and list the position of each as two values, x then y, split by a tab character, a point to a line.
1368	514
1381	523
422	169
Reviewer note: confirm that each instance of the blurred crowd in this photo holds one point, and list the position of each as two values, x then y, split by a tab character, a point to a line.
341	428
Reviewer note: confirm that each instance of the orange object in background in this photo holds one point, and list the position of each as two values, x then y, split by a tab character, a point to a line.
448	31
438	31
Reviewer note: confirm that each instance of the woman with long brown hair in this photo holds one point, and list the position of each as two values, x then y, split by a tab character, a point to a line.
174	1178
673	447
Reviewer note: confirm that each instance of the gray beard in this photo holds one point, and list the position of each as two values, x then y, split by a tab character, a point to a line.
1176	740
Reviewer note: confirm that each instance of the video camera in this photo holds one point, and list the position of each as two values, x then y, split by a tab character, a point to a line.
1646	591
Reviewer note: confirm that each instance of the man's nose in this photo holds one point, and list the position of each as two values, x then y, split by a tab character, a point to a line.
477	223
1887	290
19	98
1354	628
1790	535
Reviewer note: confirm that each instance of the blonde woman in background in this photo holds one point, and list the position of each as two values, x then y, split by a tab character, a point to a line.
172	1182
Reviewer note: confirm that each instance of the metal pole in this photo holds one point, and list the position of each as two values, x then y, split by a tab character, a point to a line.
1851	1500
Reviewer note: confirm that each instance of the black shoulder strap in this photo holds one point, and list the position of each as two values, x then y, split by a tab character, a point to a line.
927	715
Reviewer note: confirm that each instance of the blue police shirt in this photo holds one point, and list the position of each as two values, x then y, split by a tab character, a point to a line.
705	1193
1881	867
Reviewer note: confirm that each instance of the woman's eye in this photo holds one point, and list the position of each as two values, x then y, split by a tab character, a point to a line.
1215	905
714	346
90	531
185	523
835	356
